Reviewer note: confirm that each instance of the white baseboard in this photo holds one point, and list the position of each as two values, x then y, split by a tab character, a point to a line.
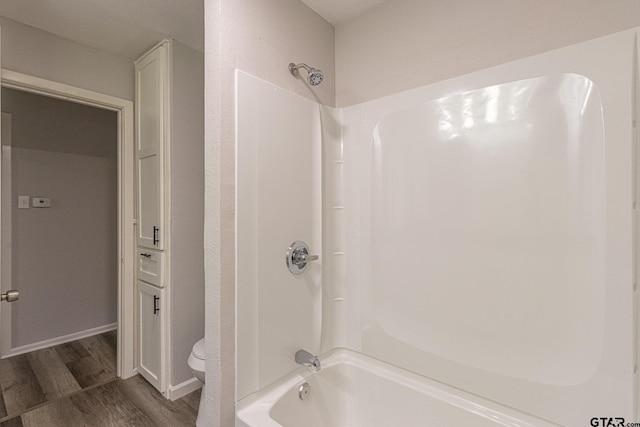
60	340
175	392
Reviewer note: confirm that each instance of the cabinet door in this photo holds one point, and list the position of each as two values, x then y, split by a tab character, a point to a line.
151	105
150	334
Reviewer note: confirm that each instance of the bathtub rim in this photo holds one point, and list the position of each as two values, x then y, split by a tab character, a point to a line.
256	407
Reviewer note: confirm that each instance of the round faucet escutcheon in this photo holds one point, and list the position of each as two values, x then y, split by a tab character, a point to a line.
298	257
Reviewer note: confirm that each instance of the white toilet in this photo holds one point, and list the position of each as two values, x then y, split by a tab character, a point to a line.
196	363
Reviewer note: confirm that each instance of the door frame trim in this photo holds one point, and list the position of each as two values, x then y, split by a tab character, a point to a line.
127	365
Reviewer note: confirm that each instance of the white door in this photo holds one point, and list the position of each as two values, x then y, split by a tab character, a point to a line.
5	233
150	332
8	295
5	309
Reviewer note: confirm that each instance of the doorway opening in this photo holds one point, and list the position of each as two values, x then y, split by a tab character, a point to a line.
83	165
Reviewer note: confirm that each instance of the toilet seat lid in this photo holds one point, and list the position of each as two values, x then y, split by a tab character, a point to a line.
198	349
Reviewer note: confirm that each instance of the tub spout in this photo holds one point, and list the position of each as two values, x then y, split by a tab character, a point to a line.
307	359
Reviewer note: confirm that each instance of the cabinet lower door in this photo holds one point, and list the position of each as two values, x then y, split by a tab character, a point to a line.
150	334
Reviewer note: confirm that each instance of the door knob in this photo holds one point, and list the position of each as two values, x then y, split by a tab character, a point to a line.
298	257
10	296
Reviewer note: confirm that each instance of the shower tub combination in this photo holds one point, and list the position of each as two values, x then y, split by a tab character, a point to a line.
352	389
492	231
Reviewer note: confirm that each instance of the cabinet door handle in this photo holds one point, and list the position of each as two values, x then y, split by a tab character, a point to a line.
155	236
156	309
145	255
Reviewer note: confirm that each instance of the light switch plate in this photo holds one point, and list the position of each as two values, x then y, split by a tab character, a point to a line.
23	202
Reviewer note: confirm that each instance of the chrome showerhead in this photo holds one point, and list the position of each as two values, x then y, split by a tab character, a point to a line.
315	76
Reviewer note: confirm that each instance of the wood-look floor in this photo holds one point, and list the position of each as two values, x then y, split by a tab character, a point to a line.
75	384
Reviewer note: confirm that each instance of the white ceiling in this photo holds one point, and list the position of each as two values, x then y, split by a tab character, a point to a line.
339	11
128	28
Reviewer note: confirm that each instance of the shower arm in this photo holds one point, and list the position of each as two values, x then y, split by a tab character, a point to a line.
295	67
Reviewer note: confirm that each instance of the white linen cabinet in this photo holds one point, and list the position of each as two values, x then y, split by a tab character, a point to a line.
169	213
152	196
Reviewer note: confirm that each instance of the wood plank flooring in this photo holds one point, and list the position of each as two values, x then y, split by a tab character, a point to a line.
75	384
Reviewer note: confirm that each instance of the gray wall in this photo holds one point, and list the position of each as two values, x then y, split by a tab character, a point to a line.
38	53
50	124
64	258
187	206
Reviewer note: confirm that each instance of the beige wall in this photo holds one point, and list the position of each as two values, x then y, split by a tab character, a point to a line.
37	53
64	258
261	38
404	44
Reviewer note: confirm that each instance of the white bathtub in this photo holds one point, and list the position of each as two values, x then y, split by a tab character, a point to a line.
355	390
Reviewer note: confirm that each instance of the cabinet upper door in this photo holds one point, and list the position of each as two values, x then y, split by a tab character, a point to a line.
151	120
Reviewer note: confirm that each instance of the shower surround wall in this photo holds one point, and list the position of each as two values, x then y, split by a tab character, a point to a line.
495	244
279	202
541	316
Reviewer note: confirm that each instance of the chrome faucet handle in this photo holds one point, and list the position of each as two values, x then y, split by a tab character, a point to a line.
301	257
298	257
